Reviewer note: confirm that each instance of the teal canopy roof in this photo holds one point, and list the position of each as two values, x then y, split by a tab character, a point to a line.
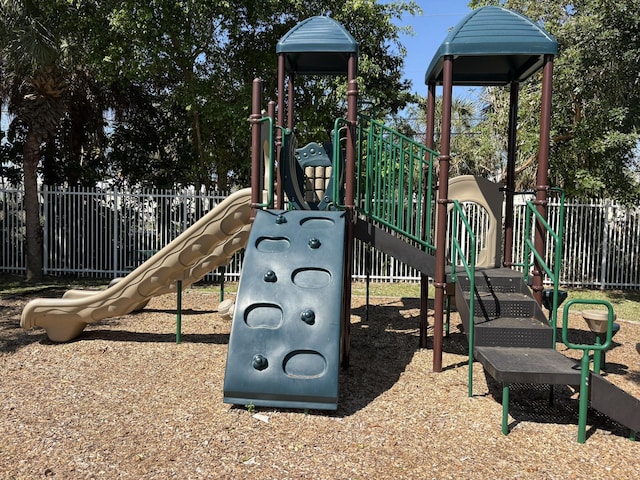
317	45
492	46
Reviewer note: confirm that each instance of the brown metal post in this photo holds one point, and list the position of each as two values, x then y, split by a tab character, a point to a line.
426	204
349	200
352	118
290	102
542	179
444	161
511	174
256	102
431	115
280	122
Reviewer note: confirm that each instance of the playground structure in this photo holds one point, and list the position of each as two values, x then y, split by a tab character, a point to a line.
384	187
291	322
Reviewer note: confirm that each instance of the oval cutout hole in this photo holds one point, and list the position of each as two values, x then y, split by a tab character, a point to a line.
311	277
317	222
272	244
304	364
263	315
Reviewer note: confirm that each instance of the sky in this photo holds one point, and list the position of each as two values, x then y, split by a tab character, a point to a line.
430	29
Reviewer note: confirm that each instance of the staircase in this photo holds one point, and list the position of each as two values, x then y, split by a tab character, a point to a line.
505	313
514	343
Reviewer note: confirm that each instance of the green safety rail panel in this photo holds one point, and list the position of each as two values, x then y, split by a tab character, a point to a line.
394	179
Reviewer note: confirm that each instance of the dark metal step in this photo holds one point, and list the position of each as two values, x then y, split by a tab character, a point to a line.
497	280
514	332
490	306
528	365
505	312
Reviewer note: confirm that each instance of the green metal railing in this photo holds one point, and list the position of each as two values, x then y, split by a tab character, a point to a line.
339	138
553	272
469	265
394	179
597	350
270	164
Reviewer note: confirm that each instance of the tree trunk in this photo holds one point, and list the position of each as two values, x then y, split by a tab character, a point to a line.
32	208
223	172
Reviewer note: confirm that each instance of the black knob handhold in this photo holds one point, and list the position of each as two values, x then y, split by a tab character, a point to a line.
308	316
314	243
259	362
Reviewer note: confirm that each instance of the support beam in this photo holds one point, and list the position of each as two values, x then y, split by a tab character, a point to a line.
280	122
512	151
290	102
256	181
444	161
349	201
277	181
424	279
542	179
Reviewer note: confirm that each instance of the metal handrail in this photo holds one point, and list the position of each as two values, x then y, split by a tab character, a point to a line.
271	163
597	348
458	254
339	125
397	172
529	248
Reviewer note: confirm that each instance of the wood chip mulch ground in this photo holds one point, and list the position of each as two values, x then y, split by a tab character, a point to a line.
125	401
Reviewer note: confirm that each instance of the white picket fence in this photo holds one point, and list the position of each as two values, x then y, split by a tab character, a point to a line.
106	233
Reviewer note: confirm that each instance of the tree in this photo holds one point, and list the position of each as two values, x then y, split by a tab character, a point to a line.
34	87
149	146
197	60
474	151
487	145
596	102
174	81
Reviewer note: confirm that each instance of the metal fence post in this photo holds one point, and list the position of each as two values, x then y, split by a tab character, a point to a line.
185	210
605	245
45	230
115	233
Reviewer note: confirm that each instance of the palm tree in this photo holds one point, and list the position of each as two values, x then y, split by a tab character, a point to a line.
34	87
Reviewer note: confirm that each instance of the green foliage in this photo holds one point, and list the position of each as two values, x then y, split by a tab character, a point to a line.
159	92
596	103
476	147
33	48
180	77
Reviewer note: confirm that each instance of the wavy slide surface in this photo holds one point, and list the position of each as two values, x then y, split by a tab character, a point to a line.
207	244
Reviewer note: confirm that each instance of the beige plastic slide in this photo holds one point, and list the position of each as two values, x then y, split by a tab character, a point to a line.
207	244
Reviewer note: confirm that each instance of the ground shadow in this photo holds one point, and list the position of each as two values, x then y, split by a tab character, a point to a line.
173	311
383	343
151	337
13	337
531	403
37	292
634	377
117	333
